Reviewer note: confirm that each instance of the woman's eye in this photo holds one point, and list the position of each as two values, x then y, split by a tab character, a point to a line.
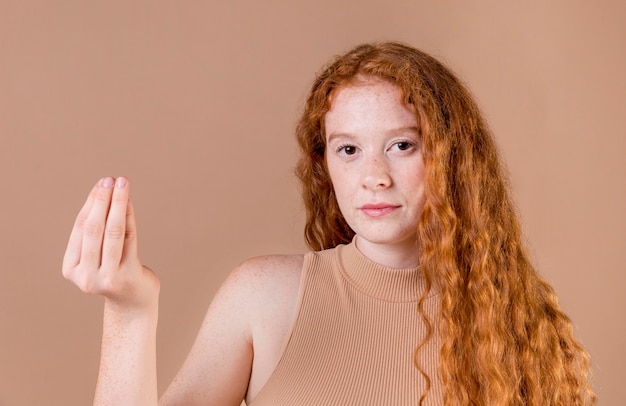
347	150
404	145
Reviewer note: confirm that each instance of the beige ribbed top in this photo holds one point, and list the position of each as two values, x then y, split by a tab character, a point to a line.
353	337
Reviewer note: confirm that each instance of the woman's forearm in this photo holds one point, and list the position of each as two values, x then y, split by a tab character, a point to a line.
128	373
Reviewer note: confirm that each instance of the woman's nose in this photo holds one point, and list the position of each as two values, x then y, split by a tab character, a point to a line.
376	173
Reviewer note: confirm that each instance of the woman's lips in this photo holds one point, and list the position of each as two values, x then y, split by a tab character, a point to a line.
378	209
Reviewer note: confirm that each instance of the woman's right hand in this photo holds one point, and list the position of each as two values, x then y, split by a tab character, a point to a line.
101	255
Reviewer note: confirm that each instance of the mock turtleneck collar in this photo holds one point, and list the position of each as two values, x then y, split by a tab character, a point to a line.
379	281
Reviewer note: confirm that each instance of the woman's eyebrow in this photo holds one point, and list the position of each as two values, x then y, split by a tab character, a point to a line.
400	130
334	135
412	129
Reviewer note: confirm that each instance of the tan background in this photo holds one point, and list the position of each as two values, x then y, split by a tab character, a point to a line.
196	103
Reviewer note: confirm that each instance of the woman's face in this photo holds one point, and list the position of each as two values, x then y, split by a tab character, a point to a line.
374	157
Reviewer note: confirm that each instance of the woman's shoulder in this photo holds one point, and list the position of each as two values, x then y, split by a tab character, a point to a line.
266	290
263	280
239	342
268	269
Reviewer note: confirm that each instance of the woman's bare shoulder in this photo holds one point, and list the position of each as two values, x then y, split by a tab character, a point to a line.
268	289
267	276
268	266
239	342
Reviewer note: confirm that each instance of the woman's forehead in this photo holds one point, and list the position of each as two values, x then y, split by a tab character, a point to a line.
367	108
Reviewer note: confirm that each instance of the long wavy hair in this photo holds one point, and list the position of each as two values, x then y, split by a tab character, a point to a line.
505	340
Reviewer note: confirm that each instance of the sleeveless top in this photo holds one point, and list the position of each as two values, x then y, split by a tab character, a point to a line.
353	336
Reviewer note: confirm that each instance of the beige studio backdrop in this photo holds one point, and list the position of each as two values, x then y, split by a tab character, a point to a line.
196	101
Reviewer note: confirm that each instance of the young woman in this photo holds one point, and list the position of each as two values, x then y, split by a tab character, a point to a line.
418	289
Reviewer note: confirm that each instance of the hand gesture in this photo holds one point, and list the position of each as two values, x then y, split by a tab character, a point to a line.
101	255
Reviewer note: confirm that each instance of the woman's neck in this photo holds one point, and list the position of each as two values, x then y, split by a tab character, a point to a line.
402	254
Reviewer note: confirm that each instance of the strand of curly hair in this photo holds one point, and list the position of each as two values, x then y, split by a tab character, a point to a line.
505	340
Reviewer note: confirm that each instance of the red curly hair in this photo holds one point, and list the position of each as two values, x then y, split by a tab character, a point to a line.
505	340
